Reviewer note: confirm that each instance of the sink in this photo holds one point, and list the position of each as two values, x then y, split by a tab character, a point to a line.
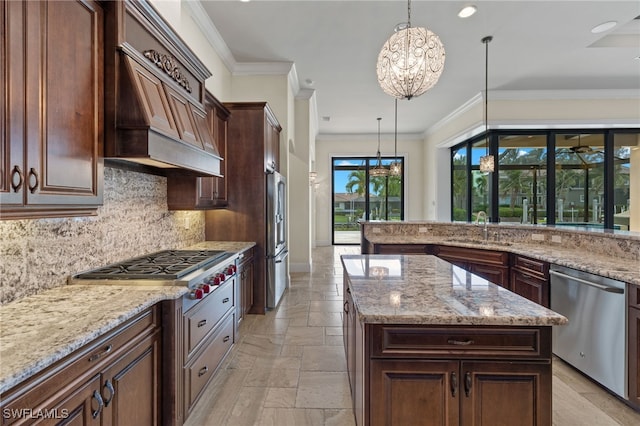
479	242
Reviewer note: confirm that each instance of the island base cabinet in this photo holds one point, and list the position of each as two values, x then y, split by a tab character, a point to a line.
414	393
433	392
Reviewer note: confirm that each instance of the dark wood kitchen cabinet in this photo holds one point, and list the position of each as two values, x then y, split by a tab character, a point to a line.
530	279
633	344
51	160
197	336
114	380
489	264
189	192
502	377
245	284
442	392
252	128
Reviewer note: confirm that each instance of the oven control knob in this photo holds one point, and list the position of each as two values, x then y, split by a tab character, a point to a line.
206	288
216	280
231	269
196	294
222	277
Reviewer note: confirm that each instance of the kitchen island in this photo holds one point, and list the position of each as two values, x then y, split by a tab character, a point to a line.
430	343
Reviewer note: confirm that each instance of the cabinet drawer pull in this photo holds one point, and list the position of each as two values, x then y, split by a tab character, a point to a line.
201	323
226	339
225	300
34	174
467	383
454	384
460	342
95	413
99	355
16	185
108	386
203	371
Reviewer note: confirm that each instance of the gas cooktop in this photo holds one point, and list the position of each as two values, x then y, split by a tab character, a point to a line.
165	265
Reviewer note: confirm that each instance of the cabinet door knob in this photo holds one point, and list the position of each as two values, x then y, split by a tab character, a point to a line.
16	173
96	396
33	174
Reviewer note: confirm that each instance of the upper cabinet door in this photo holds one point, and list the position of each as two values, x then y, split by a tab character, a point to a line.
52	147
12	172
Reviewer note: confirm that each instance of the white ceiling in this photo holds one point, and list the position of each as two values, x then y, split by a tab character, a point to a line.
537	45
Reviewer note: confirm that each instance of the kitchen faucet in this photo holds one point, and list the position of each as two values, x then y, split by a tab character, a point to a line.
485	229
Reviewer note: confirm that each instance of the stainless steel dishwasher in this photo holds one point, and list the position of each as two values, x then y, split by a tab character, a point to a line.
594	341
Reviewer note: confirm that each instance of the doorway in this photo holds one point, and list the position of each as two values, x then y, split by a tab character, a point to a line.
358	196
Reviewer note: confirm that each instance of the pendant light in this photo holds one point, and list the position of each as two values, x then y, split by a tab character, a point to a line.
395	169
411	60
378	170
487	162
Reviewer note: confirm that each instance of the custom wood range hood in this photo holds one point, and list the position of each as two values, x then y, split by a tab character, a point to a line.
154	94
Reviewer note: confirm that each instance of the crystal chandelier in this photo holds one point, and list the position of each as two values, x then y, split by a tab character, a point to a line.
378	170
411	61
395	169
487	163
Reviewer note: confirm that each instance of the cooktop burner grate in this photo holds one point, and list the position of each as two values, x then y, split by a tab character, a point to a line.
167	264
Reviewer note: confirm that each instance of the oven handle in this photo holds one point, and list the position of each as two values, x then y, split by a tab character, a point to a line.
589	283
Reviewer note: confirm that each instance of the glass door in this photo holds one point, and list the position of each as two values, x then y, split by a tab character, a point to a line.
358	196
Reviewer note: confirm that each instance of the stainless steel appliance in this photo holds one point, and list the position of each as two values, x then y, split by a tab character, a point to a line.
594	340
202	271
276	248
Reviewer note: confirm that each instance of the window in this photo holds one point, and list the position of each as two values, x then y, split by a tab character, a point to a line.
522	178
574	177
358	196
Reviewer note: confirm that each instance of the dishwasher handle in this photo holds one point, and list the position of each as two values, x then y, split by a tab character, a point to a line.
589	283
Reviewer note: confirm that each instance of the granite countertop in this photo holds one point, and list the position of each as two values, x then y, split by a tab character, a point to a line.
577	258
422	289
39	330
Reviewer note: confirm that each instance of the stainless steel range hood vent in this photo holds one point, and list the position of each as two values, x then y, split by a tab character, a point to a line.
155	92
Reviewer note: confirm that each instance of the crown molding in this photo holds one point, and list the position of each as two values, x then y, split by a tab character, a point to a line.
368	137
534	95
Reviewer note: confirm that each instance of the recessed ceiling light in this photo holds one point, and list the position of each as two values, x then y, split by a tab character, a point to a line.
326	118
605	26
467	11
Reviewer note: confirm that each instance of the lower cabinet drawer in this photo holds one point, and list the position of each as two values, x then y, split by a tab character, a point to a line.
206	315
202	368
434	342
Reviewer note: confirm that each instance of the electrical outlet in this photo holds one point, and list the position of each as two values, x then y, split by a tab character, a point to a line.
556	239
537	237
186	222
423	229
376	230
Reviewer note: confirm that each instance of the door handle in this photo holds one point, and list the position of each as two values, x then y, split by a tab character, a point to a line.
96	396
467	383
589	283
16	173
454	384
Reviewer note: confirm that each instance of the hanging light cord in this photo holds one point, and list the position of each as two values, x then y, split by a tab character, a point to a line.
409	14
395	134
379	159
486	41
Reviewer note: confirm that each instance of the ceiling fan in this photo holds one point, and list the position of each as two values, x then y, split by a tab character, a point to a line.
585	150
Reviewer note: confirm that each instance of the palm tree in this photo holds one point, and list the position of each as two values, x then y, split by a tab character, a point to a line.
357	182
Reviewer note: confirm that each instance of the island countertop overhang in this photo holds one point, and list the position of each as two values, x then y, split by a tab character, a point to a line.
422	289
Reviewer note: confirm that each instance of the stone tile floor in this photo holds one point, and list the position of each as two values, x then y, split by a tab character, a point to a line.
288	366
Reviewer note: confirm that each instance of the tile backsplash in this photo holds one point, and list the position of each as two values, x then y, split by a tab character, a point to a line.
38	254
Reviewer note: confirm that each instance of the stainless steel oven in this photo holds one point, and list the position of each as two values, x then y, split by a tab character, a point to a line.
594	341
